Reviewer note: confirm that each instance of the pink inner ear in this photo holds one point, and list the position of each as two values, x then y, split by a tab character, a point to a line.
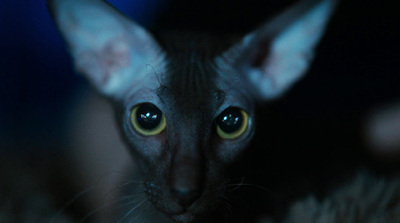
100	66
278	54
262	52
115	55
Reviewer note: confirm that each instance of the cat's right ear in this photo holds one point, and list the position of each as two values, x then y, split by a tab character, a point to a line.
108	48
279	53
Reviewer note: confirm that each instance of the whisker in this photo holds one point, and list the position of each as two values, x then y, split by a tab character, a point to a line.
237	185
127	183
127	197
224	207
228	207
96	210
129	200
139	215
125	202
70	202
131	211
148	204
110	203
134	181
106	204
134	219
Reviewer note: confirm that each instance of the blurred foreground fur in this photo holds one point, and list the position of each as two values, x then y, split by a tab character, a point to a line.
366	199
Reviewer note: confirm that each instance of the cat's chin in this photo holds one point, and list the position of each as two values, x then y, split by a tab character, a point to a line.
190	215
186	217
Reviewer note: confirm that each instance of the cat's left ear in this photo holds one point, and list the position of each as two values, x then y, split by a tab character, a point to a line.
110	50
278	54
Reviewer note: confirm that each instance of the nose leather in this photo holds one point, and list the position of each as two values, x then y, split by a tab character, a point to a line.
185	197
186	177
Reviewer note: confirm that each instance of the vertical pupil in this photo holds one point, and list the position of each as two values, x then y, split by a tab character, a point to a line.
148	116
230	120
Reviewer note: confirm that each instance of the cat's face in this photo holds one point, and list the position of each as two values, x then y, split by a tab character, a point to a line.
187	127
185	103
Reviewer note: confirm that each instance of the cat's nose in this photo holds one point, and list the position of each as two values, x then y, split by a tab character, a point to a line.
187	175
185	196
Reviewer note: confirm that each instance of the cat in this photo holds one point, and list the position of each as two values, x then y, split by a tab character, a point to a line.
186	103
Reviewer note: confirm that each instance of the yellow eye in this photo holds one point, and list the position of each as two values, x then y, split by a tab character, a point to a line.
147	119
232	123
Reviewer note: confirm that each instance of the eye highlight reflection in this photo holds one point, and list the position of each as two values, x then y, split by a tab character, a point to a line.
232	123
147	119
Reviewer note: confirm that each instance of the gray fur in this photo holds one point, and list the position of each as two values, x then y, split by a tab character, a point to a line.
365	199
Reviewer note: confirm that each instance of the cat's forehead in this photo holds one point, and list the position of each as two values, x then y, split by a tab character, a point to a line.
190	80
190	85
176	43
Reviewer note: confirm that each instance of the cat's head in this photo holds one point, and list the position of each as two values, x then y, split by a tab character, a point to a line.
185	103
